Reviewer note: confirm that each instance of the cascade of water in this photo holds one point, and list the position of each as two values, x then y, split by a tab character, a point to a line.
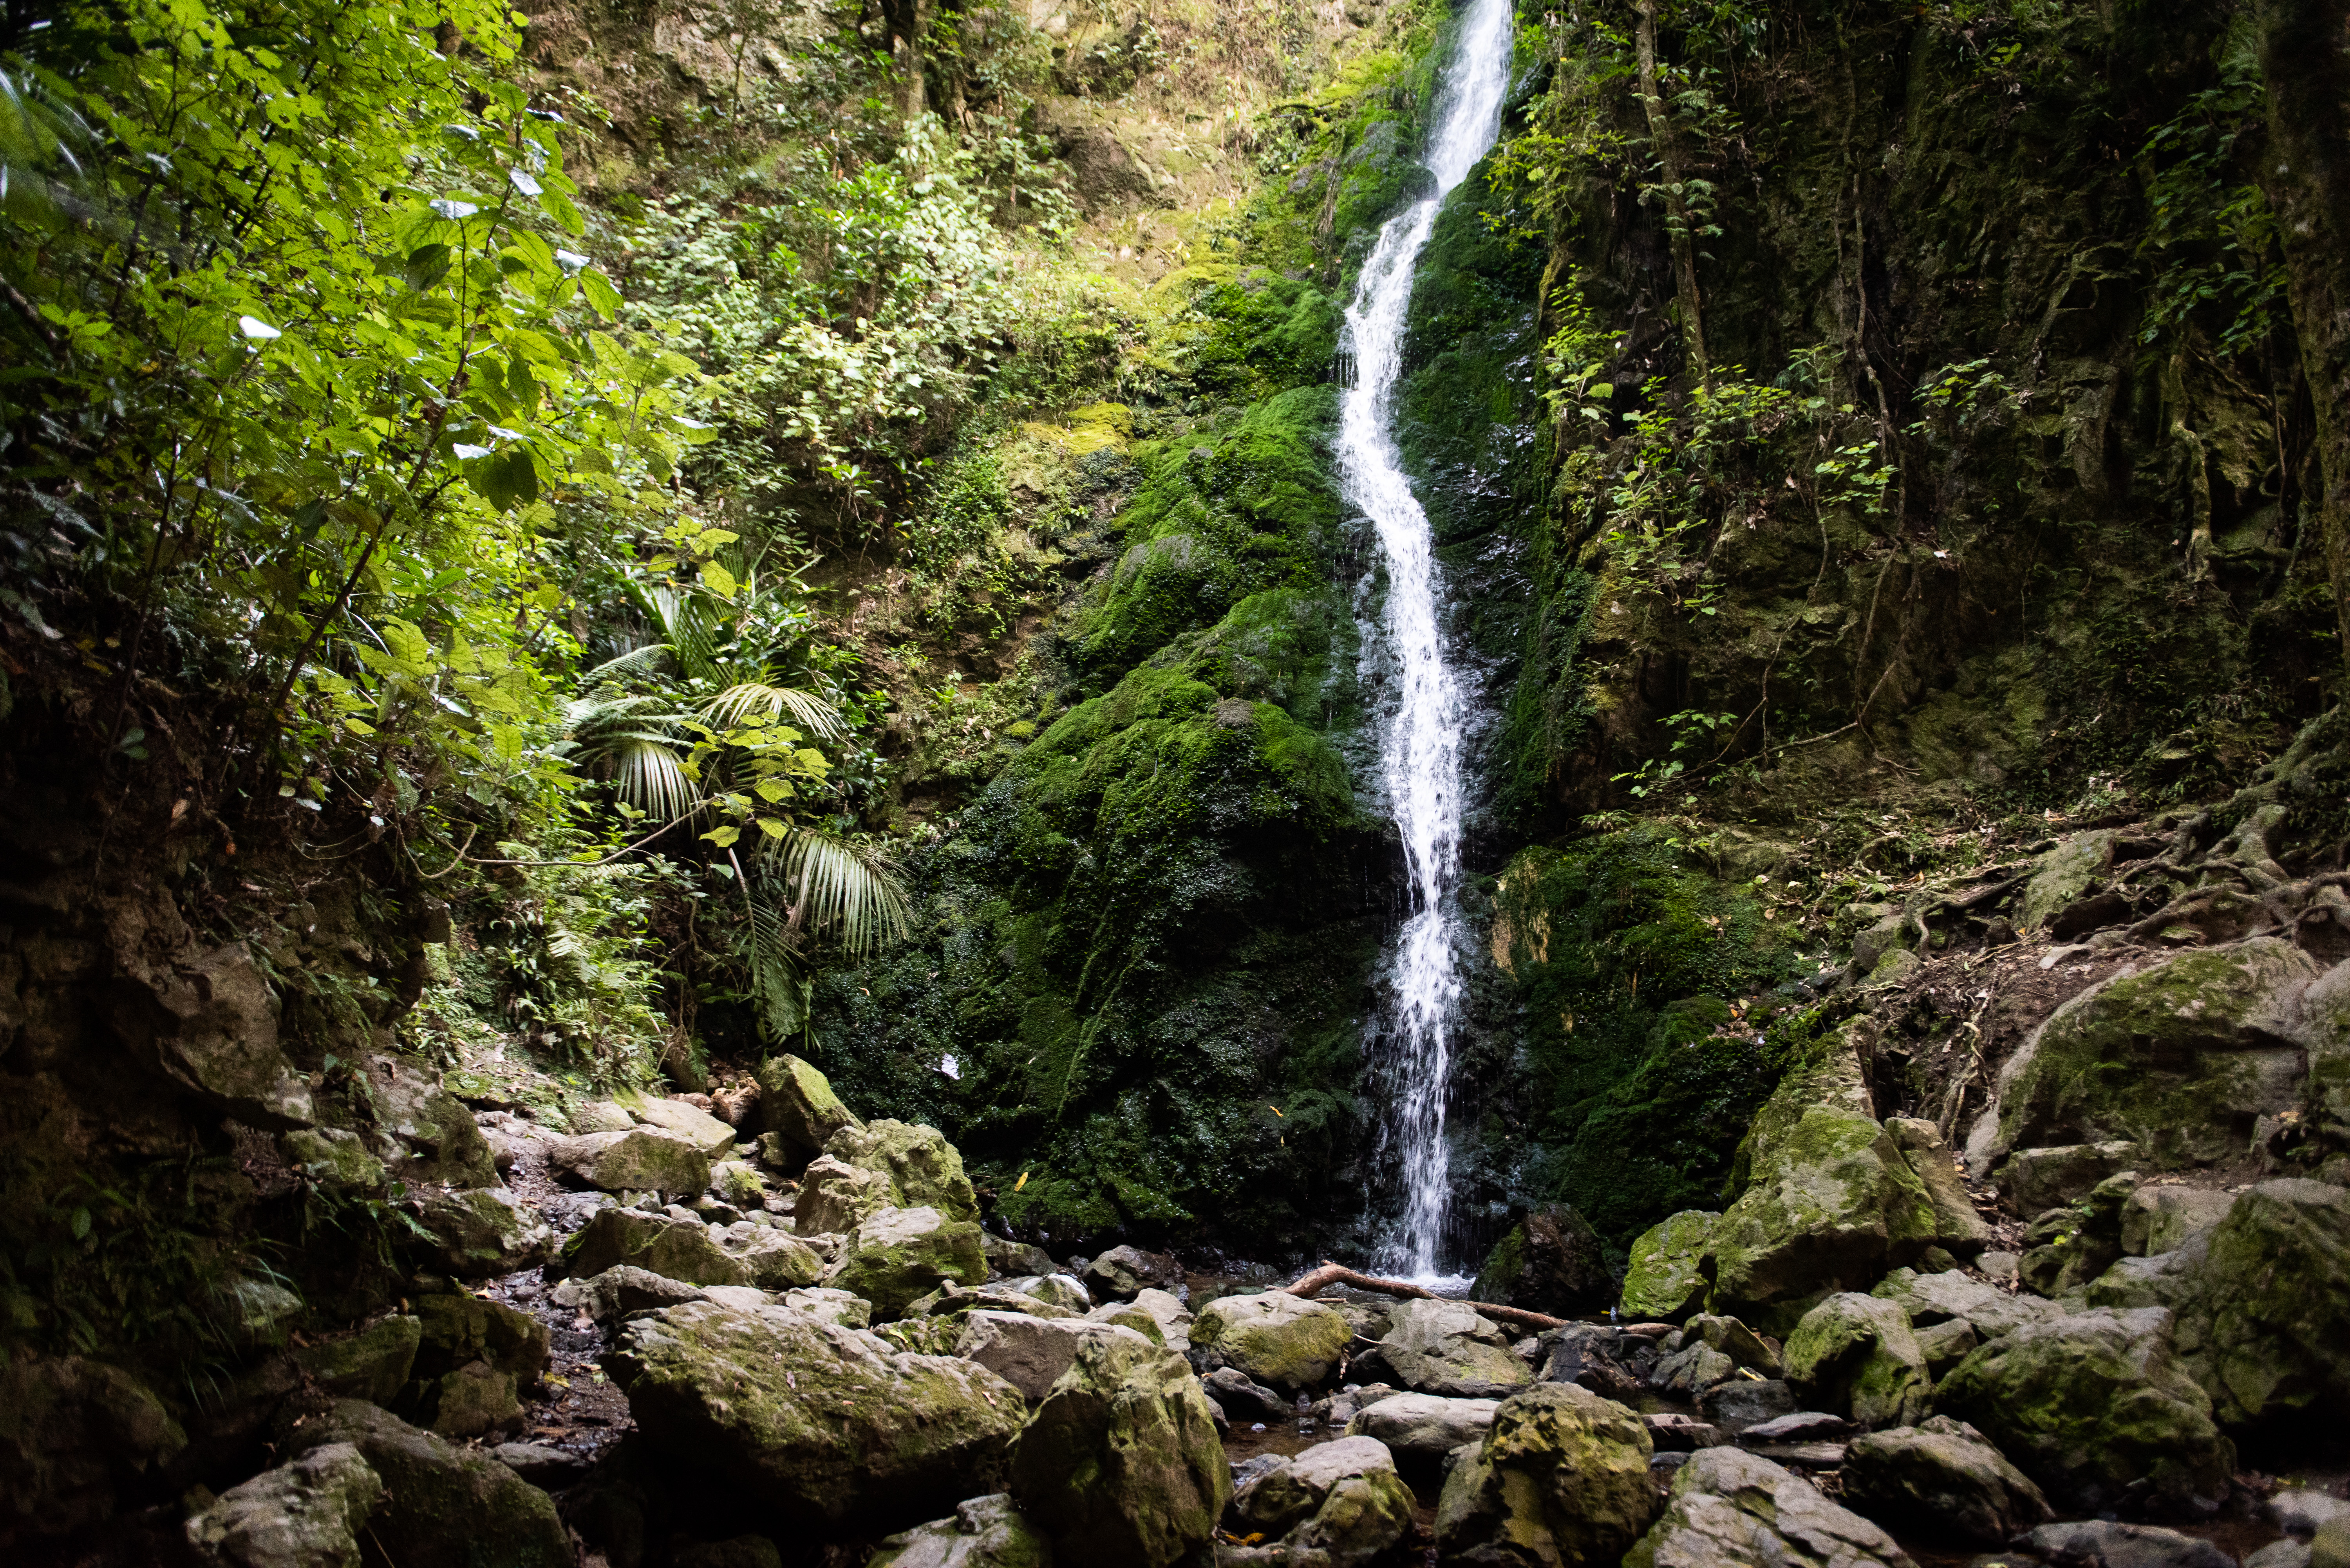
1421	716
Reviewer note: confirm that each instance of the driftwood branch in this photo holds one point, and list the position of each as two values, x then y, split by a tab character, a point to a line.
1333	1274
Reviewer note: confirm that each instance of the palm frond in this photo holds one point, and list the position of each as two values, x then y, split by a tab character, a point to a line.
634	660
779	984
691	636
814	715
846	891
650	775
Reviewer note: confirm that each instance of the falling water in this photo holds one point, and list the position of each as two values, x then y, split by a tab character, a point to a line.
1420	745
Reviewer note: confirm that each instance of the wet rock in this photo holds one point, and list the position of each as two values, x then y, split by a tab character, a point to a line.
1243	1398
2093	1405
1855	1354
1561	1479
1029	1353
1729	1509
1551	1261
897	1255
924	1169
2097	1544
1275	1338
1342	1500
984	1533
2262	1303
1123	1273
1744	1402
485	1231
1121	1463
1942	1480
796	1102
306	1513
2160	1218
642	1160
441	1504
820	1423
74	1435
1664	1280
1930	1298
834	1195
2042	1179
1448	1348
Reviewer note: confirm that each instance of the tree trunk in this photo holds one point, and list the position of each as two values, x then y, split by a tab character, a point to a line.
1677	220
2305	57
909	27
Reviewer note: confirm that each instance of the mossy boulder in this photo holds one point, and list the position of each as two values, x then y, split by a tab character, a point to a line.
2039	1180
441	1504
642	1160
1855	1354
306	1513
373	1363
1550	1261
1561	1479
1342	1500
923	1168
2263	1304
1274	1337
675	1249
333	1157
75	1433
1959	1228
1941	1480
680	1118
899	1255
1439	1346
455	1329
1665	1279
810	1423
1121	1462
483	1231
1938	1298
983	1532
1029	1353
1731	1509
2182	1058
1121	1273
2093	1405
834	1195
2159	1219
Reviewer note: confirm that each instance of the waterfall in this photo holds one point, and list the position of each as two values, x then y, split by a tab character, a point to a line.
1421	711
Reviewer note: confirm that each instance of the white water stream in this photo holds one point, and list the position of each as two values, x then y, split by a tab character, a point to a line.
1422	714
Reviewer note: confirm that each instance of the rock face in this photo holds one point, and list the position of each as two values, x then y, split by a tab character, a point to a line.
1276	1338
1664	1279
797	1101
899	1255
985	1533
642	1160
1121	1463
304	1514
1342	1500
1729	1508
485	1231
73	1433
1449	1347
815	1423
1419	1430
2181	1058
1943	1481
924	1169
442	1504
1562	1479
1029	1353
206	1019
1854	1355
2262	1303
2089	1405
1551	1261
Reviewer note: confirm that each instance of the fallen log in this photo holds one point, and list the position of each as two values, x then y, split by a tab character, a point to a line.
1336	1274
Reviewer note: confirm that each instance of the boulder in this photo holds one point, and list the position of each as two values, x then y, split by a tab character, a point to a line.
373	1363
1741	1403
1440	1347
771	1259
2302	1513
1958	1227
2183	1057
1710	1349
1243	1398
2263	1304
441	1504
473	1401
542	1464
1551	1261
620	1291
680	1118
1342	1500
984	1533
923	1168
1174	1321
1940	1479
738	1182
1948	1343
951	1300
1017	1260
797	1101
677	1249
642	1160
2159	1218
1855	1354
831	1305
1029	1353
2043	1178
2100	1543
834	1195
600	1115
306	1513
1057	1290
1419	1430
1664	1280
1729	1508
1561	1479
1275	1338
75	1433
820	1425
333	1157
1931	1298
1123	1273
1128	1315
481	1232
429	1137
1121	1463
2091	1405
475	1357
897	1255
1610	1361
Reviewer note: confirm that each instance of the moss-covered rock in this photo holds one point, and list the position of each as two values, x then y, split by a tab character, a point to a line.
1029	1353
306	1513
1439	1346
680	1119
922	1167
815	1424
2091	1407
456	1329
2159	1218
1958	1227
484	1232
1121	1463
441	1504
2039	1180
673	1248
1856	1355
1274	1337
74	1433
1550	1261
1939	1298
1561	1479
371	1364
1342	1500
834	1195
642	1160
797	1101
1666	1278
2263	1304
897	1255
1941	1480
984	1533
1729	1508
